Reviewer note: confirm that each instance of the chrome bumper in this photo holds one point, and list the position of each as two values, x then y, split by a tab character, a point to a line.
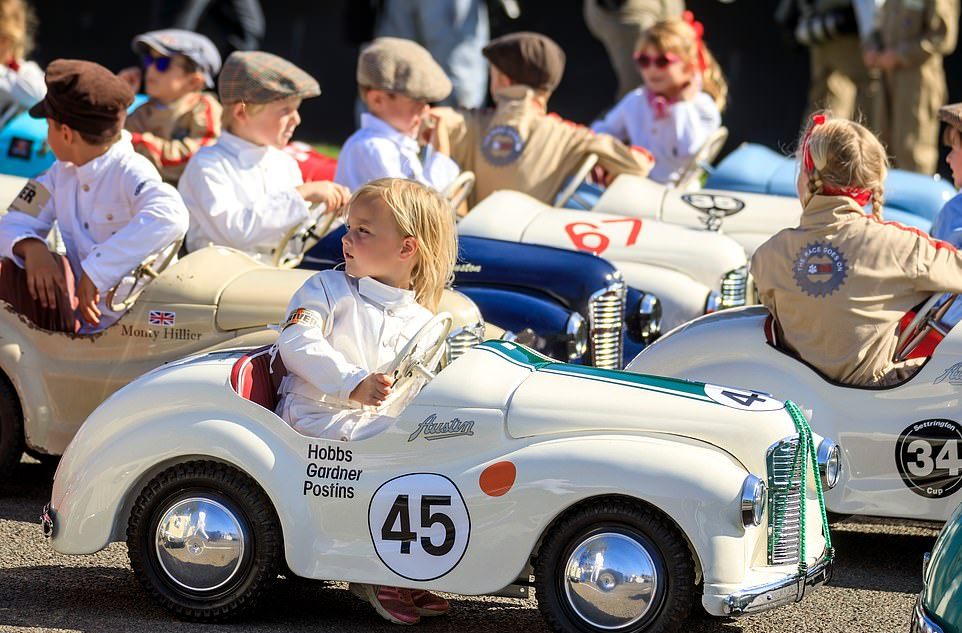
46	521
792	589
921	622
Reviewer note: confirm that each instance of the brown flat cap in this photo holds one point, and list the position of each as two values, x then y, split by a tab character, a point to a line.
528	58
402	66
952	114
259	77
84	96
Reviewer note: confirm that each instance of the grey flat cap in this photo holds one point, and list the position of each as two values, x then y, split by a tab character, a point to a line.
193	46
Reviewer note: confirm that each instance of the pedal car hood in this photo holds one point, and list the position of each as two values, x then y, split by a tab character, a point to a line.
258	297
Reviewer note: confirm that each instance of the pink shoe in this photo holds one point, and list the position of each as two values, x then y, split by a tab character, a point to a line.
428	604
391	603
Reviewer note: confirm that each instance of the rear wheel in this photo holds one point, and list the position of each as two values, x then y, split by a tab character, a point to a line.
613	565
11	429
204	540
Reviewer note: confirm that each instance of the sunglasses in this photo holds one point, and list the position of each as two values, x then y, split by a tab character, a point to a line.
662	61
161	63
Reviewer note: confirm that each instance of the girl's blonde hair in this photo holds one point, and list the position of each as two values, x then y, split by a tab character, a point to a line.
844	155
683	37
421	213
17	22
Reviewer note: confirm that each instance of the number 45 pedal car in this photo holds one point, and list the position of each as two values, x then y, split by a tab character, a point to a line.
624	513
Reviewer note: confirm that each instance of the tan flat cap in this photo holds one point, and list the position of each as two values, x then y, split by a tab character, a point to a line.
952	114
528	58
259	77
402	66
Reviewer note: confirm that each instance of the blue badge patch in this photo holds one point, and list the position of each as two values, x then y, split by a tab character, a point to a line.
140	187
502	145
820	269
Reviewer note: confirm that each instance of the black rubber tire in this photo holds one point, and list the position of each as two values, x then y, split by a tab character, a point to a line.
229	486
673	600
11	429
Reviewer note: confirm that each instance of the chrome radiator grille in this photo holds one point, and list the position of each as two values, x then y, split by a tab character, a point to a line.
461	340
786	496
606	317
734	288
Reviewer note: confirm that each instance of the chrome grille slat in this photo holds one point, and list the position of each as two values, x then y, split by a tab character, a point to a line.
785	502
606	315
734	288
461	340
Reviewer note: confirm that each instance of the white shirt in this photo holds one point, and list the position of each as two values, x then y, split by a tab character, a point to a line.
348	328
113	212
20	89
673	139
377	150
241	195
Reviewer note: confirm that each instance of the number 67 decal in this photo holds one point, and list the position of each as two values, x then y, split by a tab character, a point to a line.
419	525
596	242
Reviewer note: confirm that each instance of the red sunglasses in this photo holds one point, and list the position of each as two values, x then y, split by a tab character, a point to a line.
662	61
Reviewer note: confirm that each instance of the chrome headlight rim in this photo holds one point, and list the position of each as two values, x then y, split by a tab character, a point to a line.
753	499
576	333
649	317
829	457
713	302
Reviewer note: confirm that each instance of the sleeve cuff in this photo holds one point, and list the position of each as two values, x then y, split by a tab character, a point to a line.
351	381
90	269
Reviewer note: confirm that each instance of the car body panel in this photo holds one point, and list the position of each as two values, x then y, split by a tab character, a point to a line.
941	596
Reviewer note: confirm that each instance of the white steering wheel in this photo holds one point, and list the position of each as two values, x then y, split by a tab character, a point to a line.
576	179
459	190
300	238
922	323
423	352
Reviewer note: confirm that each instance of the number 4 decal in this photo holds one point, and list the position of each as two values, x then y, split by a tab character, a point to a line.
741	399
596	242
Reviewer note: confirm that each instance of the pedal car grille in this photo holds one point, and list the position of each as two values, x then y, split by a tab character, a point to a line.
606	316
463	339
734	288
786	493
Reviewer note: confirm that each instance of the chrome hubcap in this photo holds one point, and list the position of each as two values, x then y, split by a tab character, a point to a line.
200	544
610	580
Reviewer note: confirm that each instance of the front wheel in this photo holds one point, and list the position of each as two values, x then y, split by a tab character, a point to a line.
204	540
614	565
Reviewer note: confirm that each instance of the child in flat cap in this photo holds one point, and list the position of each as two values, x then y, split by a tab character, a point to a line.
179	118
244	191
518	145
948	223
397	80
111	206
21	81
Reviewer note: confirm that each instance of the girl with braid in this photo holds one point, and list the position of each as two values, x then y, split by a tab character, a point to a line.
839	283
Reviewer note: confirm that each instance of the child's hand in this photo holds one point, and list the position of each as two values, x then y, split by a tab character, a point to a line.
133	76
45	278
88	298
372	390
326	192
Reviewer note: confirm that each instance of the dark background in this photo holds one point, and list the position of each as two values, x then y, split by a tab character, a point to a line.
768	80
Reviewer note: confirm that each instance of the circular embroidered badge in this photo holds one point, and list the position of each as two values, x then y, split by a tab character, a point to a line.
820	269
502	145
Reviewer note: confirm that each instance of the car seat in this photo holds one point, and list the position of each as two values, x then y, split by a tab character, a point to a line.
251	377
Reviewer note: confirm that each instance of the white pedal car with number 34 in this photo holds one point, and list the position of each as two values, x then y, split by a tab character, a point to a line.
627	498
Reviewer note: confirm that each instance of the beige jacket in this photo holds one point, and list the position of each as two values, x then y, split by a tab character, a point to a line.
517	146
839	283
170	135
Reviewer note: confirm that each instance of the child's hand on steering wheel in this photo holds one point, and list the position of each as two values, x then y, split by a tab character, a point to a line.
372	390
326	192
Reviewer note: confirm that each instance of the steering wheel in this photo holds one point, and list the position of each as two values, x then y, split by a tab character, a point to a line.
576	179
149	269
302	236
423	352
925	319
459	190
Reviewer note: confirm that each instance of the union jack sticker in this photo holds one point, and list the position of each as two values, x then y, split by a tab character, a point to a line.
161	317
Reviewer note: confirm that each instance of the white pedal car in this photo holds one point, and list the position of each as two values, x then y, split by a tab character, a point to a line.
627	497
900	445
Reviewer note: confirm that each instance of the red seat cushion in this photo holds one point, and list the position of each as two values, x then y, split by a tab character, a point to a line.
251	378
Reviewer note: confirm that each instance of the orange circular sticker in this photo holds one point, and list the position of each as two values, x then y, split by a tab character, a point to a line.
497	478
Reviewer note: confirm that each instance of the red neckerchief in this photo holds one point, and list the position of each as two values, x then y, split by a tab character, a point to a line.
659	104
12	64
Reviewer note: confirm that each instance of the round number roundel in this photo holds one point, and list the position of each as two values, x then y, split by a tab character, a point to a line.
419	525
928	457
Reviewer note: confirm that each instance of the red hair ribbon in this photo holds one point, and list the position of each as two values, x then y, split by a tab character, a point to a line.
817	120
699	30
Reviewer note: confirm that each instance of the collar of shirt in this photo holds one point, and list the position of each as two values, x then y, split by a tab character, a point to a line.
514	92
379	127
384	295
248	154
91	170
825	210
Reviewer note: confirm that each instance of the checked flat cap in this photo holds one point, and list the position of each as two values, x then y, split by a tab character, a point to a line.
404	67
259	77
952	114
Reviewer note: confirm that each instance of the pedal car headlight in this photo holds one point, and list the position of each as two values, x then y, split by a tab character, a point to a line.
576	330
713	303
649	317
754	494
829	463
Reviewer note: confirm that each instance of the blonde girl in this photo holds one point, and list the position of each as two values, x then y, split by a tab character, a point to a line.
344	328
21	81
839	283
679	105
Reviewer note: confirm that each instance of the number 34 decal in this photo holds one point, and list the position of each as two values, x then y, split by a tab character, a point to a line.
596	240
419	525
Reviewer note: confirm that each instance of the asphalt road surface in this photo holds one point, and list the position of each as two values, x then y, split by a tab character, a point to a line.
876	579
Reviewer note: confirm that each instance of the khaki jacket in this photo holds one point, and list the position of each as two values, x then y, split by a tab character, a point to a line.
839	283
170	135
517	146
919	29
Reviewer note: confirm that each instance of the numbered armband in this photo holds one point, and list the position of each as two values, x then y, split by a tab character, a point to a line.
303	316
31	199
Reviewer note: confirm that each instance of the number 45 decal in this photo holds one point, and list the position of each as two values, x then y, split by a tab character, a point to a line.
419	525
597	242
